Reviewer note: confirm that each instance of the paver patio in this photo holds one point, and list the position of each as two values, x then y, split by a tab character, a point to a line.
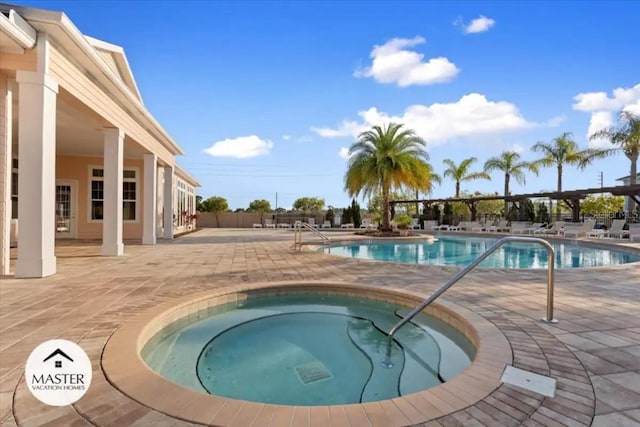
594	352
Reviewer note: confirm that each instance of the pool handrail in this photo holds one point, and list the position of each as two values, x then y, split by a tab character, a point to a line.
550	279
297	234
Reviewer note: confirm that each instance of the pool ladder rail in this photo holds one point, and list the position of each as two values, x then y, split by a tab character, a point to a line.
550	279
299	227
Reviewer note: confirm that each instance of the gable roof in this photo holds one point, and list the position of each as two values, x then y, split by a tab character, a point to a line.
627	177
58	352
116	59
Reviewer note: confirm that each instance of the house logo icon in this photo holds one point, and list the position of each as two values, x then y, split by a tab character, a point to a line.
58	372
58	362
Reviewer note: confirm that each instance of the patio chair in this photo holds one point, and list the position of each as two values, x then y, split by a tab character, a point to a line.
583	229
478	226
533	228
364	223
518	227
616	229
556	229
502	225
634	232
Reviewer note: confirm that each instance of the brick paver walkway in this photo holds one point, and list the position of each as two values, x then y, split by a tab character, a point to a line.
594	352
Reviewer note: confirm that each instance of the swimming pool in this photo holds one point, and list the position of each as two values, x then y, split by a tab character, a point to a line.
308	350
462	250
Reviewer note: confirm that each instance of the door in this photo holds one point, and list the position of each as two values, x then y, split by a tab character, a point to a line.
66	223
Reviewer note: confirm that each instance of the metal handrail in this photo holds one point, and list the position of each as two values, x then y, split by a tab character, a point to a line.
463	272
297	228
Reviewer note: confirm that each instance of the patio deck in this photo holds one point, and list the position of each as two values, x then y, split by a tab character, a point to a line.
594	352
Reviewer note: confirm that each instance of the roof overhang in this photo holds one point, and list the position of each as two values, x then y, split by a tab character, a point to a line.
187	176
78	47
16	34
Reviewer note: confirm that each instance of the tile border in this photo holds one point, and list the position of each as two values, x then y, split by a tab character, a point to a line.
125	369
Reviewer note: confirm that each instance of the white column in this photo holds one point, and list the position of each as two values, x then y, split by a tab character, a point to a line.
149	199
112	217
6	114
159	202
168	202
37	174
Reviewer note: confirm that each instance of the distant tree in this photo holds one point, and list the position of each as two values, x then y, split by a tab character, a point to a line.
347	216
461	172
281	210
387	158
355	213
594	205
260	206
529	211
447	214
509	163
542	213
308	205
199	207
626	134
563	150
330	215
240	210
216	205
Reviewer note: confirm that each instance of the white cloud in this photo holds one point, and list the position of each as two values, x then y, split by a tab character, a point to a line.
286	137
393	63
602	107
478	25
472	114
240	148
344	153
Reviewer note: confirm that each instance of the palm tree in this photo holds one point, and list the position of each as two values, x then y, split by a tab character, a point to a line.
461	172
509	163
626	134
564	150
387	158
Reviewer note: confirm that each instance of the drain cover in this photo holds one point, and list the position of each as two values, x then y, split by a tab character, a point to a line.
312	372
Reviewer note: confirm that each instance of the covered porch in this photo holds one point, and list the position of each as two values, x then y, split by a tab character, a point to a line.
82	158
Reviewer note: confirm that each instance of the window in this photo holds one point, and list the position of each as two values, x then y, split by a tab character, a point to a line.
14	188
129	194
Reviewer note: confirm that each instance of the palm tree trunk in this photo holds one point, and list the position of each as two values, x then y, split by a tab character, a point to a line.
385	210
457	189
507	177
632	180
559	190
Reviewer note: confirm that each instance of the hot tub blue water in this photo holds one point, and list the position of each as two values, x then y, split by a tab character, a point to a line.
308	350
462	250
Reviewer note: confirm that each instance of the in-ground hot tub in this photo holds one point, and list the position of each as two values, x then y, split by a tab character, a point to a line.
305	345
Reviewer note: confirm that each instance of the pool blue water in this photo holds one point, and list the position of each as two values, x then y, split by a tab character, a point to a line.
308	350
462	250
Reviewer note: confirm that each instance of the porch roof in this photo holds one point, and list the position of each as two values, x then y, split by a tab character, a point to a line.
120	87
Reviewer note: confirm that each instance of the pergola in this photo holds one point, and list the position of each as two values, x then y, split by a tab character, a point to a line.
571	198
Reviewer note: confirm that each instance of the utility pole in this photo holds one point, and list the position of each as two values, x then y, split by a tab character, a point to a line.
601	179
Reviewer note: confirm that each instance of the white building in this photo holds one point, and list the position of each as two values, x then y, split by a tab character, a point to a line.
80	155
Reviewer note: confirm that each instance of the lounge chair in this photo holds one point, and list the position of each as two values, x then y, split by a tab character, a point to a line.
347	225
268	223
257	225
556	229
364	223
415	224
312	223
518	227
326	224
583	229
501	226
478	226
533	228
616	230
284	225
429	224
463	225
634	232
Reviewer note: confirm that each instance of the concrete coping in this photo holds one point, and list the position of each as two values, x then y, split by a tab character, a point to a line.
126	370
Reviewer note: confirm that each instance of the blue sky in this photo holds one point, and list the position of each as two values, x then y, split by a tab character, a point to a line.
277	90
